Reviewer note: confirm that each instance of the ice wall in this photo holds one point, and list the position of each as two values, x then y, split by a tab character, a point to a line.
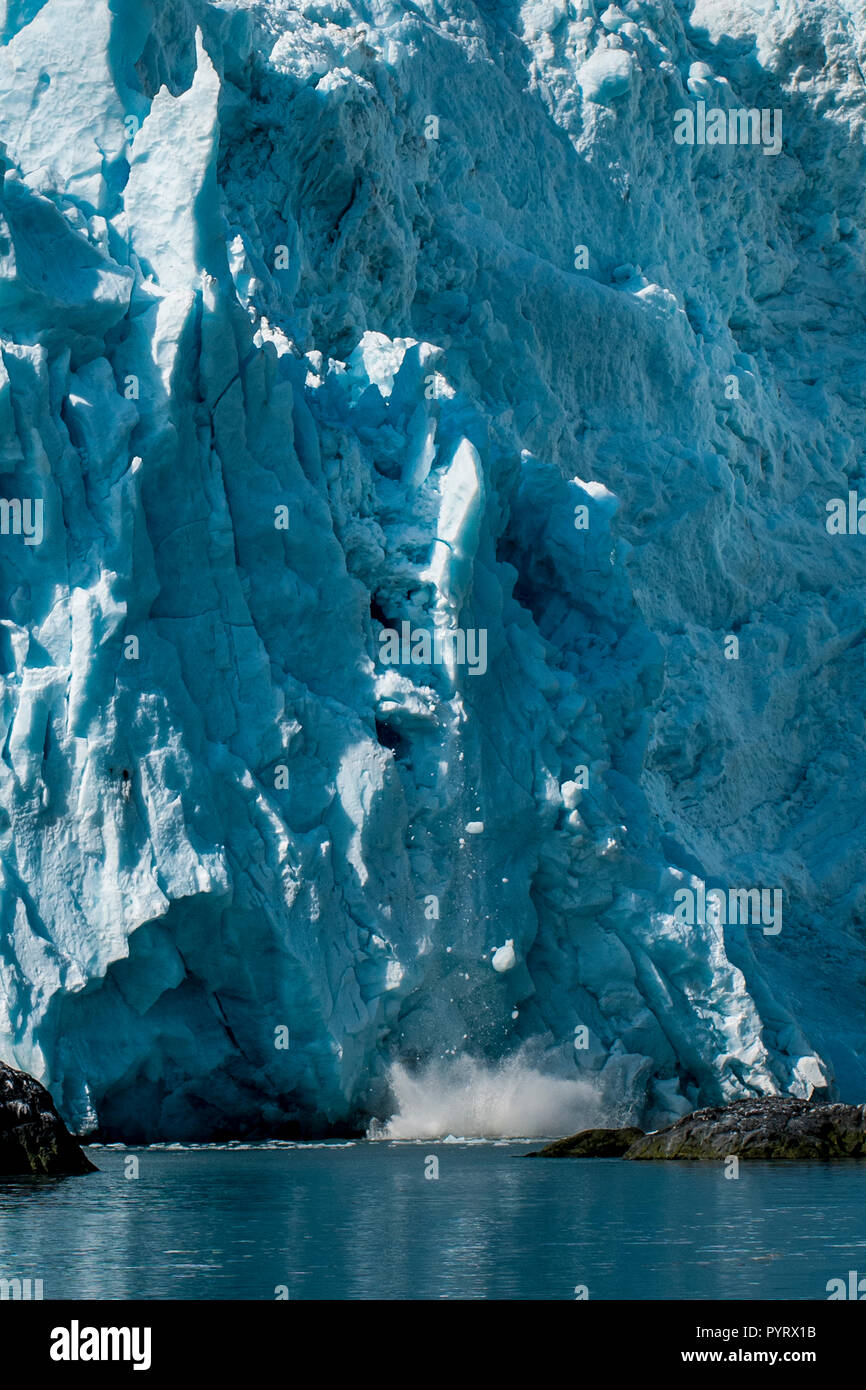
326	318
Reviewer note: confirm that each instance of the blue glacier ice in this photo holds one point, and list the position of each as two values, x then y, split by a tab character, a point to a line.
328	320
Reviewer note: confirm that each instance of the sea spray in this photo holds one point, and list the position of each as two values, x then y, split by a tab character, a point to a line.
466	1098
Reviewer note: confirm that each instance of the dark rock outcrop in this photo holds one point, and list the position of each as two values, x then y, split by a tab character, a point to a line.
590	1143
33	1138
769	1127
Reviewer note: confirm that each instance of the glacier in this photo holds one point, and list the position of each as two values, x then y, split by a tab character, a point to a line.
328	320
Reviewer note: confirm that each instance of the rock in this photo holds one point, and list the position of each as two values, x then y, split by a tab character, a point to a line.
33	1138
591	1143
771	1127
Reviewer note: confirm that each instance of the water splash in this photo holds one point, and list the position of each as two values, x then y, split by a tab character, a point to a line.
471	1099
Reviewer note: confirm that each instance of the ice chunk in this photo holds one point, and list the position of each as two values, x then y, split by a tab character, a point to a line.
606	76
504	957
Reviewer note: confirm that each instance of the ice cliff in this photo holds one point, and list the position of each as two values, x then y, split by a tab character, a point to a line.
327	318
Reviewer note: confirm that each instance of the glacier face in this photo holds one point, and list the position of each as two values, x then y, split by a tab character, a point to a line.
299	347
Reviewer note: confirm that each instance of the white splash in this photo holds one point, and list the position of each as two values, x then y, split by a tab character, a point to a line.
471	1099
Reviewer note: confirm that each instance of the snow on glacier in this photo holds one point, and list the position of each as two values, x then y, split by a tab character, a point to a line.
296	350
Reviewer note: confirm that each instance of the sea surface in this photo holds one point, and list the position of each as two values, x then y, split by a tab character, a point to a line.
362	1221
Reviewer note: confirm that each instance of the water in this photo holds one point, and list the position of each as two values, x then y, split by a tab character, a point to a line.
361	1221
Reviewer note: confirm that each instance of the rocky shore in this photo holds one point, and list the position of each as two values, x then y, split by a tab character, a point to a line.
767	1127
33	1138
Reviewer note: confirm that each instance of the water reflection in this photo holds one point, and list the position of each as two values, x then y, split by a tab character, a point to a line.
362	1221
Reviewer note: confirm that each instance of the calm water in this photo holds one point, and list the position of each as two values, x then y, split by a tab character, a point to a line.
360	1221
